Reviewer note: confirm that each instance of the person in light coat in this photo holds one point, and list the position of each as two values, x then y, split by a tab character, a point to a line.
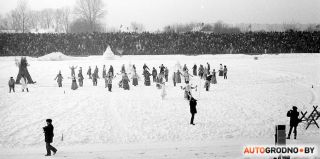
24	85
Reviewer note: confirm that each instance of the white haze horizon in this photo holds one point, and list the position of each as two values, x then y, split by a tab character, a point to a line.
155	14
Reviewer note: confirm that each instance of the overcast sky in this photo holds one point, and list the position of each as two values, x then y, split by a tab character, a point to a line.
158	13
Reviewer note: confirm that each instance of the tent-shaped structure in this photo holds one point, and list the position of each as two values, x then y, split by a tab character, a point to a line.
108	54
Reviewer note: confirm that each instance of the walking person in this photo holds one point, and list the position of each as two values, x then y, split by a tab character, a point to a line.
95	79
48	134
166	74
108	80
11	84
208	67
89	72
201	71
194	70
225	70
294	121
125	82
207	83
146	75
104	71
96	71
74	84
193	109
135	78
59	79
80	77
214	78
221	70
154	74
111	70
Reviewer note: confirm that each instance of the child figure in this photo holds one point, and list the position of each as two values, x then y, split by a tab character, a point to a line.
11	84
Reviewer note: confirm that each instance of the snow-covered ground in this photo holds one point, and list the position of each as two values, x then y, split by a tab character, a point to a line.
138	124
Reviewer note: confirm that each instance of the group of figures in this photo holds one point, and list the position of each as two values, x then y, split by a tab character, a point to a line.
159	78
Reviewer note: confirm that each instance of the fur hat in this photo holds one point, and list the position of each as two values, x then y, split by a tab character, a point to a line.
294	108
49	120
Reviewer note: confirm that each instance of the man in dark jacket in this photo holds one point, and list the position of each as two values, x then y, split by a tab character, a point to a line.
294	121
194	70
48	133
11	84
154	74
193	109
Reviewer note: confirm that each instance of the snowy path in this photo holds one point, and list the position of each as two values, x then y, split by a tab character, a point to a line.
248	105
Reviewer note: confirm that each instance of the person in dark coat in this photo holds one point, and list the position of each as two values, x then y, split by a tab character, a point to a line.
11	84
95	79
80	77
104	71
194	70
294	121
154	74
214	78
166	74
125	82
74	84
208	67
145	67
185	68
207	83
161	69
59	79
174	76
48	134
146	75
123	69
111	70
89	72
201	71
225	70
178	76
96	71
193	109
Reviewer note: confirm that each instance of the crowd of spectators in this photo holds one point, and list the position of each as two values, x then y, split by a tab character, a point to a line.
190	43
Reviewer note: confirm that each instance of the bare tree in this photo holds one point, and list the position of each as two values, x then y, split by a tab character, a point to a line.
34	19
47	17
20	15
90	11
66	19
58	19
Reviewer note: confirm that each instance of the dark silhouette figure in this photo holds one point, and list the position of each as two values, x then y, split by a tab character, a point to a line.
294	121
225	70
23	71
193	109
11	84
48	133
194	70
154	74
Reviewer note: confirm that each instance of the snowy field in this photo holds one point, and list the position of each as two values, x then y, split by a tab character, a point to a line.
95	123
